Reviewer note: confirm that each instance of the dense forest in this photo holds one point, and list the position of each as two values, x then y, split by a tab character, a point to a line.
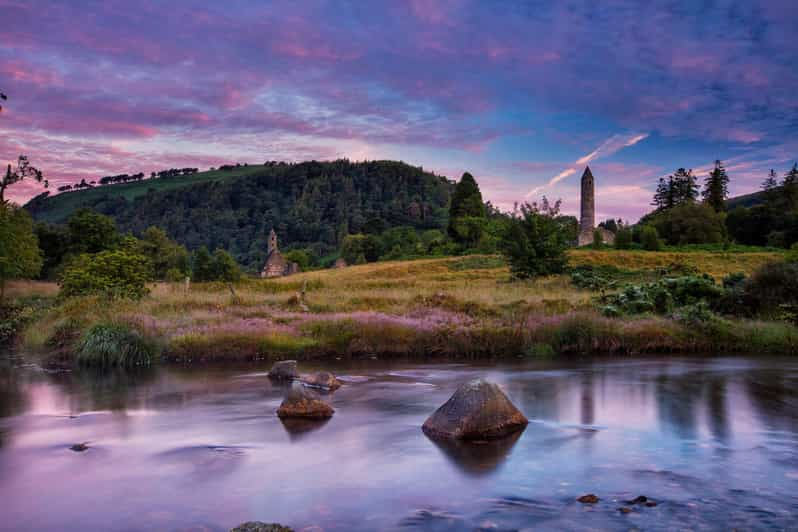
311	205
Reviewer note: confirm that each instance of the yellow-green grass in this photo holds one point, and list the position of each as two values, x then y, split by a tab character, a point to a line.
456	306
717	265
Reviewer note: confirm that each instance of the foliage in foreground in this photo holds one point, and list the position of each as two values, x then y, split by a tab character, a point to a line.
115	344
19	248
536	241
113	274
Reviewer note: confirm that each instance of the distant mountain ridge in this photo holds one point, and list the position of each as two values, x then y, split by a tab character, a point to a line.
310	205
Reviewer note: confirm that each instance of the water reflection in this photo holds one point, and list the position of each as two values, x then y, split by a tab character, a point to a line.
715	442
477	458
298	428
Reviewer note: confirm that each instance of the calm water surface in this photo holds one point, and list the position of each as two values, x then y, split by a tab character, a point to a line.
714	442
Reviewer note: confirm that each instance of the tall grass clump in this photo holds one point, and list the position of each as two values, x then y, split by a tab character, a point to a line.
115	344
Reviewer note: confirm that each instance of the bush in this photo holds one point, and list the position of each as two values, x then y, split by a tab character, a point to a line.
114	274
649	239
535	243
771	287
220	266
110	344
792	254
623	239
357	249
690	223
662	296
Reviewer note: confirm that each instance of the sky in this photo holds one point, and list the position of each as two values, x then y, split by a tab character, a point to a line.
521	94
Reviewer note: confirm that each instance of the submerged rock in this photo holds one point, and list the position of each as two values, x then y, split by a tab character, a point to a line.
478	410
284	370
588	499
79	447
257	526
322	379
304	403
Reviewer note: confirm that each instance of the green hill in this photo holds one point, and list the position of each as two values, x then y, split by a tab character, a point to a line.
57	208
310	205
746	200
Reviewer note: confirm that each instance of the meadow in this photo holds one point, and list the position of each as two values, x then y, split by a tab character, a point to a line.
448	307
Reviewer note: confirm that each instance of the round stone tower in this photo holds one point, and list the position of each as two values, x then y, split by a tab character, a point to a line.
587	219
587	212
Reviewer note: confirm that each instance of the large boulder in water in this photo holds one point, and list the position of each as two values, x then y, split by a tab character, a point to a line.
284	370
257	526
478	410
304	403
321	379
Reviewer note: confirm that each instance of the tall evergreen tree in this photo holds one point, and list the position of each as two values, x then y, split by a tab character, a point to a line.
684	187
769	186
790	187
716	188
466	203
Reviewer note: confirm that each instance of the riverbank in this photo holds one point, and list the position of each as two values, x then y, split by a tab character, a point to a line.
459	307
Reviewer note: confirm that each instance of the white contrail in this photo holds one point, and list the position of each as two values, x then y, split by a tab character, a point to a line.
612	145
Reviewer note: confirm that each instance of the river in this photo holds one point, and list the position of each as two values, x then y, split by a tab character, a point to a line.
714	442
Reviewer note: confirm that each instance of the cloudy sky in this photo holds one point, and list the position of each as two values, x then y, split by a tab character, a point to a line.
522	94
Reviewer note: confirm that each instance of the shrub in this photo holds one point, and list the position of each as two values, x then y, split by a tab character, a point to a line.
772	286
690	223
113	344
535	242
649	239
792	254
598	239
114	274
623	238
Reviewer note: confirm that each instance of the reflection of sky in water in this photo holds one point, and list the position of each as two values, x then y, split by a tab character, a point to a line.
714	441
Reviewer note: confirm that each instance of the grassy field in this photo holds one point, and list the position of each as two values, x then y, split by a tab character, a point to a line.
60	206
450	307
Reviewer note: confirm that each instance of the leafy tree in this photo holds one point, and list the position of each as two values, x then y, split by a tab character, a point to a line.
467	230
202	265
623	238
649	238
598	239
466	203
90	232
751	226
611	225
164	254
54	243
302	257
536	240
114	274
225	268
355	247
22	170
20	256
716	188
790	187
691	223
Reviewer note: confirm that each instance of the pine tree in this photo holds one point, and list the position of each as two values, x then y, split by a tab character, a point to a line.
466	203
666	194
684	188
790	187
770	186
716	188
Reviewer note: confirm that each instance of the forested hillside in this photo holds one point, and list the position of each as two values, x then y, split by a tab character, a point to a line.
311	205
